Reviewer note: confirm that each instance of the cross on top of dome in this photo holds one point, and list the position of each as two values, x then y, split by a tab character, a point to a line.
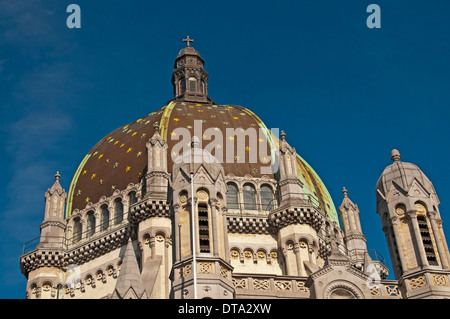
188	40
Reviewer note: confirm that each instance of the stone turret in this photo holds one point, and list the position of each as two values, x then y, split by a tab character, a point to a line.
408	207
353	237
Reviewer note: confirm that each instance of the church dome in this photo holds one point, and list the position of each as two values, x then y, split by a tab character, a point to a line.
403	174
120	158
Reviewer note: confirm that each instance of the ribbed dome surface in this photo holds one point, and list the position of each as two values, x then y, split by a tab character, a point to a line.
120	157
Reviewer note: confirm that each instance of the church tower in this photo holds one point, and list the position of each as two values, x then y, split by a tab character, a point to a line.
296	219
408	207
201	268
47	261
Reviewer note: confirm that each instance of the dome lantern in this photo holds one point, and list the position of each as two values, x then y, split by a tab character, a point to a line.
189	79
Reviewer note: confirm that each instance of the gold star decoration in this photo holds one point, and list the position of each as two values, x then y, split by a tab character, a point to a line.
84	172
134	134
79	192
87	199
116	142
115	165
113	187
127	169
129	150
143	135
101	155
93	175
176	119
139	154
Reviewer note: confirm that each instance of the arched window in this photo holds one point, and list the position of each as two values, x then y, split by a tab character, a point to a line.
105	217
91	223
182	86
249	196
77	229
132	198
232	196
118	211
192	84
266	198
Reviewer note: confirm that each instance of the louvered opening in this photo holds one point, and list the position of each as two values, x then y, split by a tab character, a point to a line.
203	228
427	242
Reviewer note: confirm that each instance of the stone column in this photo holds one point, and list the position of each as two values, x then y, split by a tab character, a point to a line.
177	230
412	214
437	239
298	259
395	222
214	235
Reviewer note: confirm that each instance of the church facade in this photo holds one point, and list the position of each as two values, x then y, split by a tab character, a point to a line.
199	200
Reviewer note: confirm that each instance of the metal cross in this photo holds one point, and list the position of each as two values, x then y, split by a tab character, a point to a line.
188	40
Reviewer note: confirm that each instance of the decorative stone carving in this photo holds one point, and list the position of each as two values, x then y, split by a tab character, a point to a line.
234	254
417	282
240	283
439	280
261	284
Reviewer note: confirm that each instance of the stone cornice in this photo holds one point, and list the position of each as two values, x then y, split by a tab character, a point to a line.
149	208
56	223
249	225
79	254
296	215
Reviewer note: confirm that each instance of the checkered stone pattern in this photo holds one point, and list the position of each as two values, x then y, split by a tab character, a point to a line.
296	215
248	225
150	208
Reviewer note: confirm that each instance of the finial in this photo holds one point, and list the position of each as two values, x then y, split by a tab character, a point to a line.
188	40
156	127
195	142
345	192
283	136
57	176
395	155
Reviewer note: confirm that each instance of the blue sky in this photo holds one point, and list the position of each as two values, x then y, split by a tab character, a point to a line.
345	95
